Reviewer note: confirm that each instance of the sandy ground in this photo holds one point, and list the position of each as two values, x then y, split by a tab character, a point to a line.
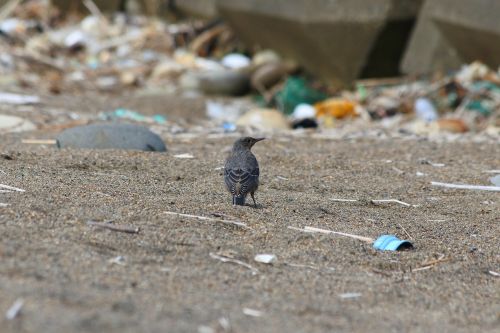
167	280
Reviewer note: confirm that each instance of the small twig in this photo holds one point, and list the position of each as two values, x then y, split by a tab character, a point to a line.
406	232
429	264
3	204
205	218
467	187
343	200
7	187
5	191
494	273
15	309
252	312
391	201
109	226
40	141
234	261
492	171
324	231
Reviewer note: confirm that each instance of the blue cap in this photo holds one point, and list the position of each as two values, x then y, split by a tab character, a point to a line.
391	243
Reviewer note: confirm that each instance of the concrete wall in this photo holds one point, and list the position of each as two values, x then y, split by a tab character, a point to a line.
451	32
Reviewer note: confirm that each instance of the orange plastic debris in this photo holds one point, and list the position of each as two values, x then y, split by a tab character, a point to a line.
336	107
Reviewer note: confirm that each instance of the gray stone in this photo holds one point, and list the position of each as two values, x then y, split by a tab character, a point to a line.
338	40
111	136
451	32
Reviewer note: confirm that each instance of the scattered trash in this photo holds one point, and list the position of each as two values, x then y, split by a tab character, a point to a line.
392	201
336	108
495	180
467	187
119	260
303	111
425	161
39	141
235	261
264	120
184	156
391	243
265	258
15	309
3	205
425	110
252	312
297	90
495	274
16	99
111	136
235	61
452	125
204	218
15	124
11	188
384	242
122	113
350	295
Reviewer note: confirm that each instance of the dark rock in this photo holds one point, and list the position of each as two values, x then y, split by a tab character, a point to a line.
111	136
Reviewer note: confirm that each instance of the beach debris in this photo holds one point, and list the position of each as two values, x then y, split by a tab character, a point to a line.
205	218
495	180
493	273
252	312
39	141
350	295
113	227
184	156
118	260
426	161
265	258
15	124
383	242
15	309
17	99
467	187
379	201
431	263
234	261
11	188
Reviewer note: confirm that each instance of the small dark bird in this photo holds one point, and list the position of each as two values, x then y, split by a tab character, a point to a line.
241	171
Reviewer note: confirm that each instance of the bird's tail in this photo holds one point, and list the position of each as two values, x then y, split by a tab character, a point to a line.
237	200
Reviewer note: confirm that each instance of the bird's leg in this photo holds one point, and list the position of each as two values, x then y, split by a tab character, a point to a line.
253	198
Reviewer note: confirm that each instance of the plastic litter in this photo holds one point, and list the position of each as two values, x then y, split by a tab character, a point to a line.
236	61
336	108
391	243
265	258
297	90
425	110
122	113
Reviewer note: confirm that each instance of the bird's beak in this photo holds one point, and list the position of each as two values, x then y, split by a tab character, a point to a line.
259	139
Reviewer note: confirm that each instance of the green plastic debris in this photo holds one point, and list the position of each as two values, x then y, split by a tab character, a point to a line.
297	90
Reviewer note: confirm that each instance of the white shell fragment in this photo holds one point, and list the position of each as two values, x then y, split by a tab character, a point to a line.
265	258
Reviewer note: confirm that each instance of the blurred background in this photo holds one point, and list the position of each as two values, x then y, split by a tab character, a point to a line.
419	67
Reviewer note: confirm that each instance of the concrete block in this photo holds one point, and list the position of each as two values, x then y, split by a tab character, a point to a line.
451	32
338	40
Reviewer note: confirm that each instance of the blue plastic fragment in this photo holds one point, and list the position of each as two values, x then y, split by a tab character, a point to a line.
391	243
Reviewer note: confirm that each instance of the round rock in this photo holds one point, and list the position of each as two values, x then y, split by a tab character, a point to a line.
111	136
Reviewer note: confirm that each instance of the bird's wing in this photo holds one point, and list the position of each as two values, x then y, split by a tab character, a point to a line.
240	181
